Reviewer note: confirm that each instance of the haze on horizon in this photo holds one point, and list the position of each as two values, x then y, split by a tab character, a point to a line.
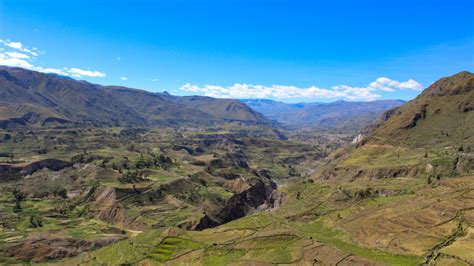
304	51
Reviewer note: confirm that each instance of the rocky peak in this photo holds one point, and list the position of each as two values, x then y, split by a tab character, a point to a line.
460	83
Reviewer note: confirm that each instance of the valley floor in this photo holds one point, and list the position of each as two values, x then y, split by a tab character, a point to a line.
405	222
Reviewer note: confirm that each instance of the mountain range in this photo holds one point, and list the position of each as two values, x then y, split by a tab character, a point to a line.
34	98
335	116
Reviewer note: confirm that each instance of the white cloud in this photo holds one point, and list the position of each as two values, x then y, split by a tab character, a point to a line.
155	80
15	54
368	93
357	93
14	62
77	72
411	85
123	78
386	89
15	45
19	46
388	85
383	81
62	72
259	91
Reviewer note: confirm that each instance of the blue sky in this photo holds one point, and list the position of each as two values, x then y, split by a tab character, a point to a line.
287	50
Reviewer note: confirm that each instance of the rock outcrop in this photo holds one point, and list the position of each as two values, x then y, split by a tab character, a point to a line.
20	170
260	196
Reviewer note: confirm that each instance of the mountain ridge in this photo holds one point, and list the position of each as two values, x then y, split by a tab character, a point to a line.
30	97
432	135
442	113
337	116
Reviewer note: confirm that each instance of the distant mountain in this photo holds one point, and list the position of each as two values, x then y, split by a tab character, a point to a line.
442	114
34	98
339	116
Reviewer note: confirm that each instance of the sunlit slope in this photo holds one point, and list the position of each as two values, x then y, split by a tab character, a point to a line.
431	136
443	114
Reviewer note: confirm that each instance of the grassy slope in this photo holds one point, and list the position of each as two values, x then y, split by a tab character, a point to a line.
447	117
426	137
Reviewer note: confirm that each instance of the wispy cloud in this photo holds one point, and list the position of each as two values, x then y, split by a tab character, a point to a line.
20	47
16	54
124	78
76	72
367	93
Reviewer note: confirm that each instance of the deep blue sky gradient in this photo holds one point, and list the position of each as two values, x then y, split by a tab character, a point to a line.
293	42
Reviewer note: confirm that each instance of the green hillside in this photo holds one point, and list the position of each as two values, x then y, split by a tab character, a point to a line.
443	114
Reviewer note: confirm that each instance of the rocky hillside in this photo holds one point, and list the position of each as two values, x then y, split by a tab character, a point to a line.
431	136
33	98
442	115
335	116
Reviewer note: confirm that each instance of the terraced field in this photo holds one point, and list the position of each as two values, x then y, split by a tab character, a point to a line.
431	224
114	184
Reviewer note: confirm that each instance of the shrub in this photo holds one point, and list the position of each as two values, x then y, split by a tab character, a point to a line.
36	221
